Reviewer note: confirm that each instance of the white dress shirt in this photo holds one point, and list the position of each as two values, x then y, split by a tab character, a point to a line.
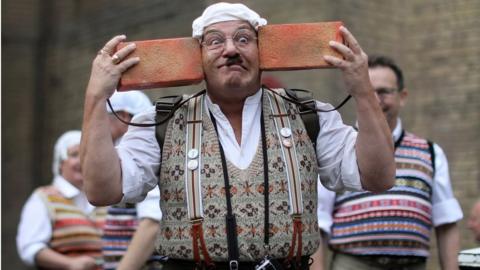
35	227
139	151
150	207
445	207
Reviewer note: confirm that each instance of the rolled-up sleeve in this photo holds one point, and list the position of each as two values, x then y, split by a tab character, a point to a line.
326	200
150	207
34	229
139	154
445	207
336	155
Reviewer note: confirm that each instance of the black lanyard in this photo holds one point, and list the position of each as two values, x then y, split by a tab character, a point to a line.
232	240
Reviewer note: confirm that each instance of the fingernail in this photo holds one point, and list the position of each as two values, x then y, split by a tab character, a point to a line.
331	43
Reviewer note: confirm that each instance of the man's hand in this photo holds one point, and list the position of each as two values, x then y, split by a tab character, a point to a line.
354	66
108	66
82	263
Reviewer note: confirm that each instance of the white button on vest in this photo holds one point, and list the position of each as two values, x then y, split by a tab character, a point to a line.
285	132
287	143
192	153
192	164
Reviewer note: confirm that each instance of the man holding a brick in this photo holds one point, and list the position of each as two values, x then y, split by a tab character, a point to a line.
235	161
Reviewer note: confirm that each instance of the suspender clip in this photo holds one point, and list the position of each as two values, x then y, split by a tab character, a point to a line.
196	220
233	265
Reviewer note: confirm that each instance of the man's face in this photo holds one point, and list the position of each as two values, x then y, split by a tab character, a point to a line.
391	99
474	221
233	65
70	167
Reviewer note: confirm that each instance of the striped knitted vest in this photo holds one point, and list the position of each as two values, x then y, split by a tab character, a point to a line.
74	233
397	222
120	225
247	198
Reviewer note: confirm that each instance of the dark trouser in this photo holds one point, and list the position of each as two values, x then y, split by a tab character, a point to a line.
342	261
173	264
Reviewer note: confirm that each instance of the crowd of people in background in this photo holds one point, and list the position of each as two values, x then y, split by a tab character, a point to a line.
218	190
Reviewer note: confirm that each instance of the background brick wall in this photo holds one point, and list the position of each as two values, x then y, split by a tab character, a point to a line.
48	47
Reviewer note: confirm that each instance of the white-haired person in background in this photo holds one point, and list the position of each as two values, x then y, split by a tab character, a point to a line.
130	229
59	228
236	170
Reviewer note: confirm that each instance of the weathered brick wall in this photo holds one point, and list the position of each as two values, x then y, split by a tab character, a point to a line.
20	36
48	49
441	57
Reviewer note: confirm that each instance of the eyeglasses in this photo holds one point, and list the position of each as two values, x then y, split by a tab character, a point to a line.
383	91
241	39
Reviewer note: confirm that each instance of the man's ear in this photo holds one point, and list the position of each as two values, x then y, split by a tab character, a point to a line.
403	97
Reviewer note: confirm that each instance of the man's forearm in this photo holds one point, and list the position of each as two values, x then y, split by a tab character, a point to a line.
50	259
374	146
100	163
448	240
319	255
142	245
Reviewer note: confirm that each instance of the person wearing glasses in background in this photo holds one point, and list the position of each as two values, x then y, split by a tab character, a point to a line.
391	230
226	197
59	228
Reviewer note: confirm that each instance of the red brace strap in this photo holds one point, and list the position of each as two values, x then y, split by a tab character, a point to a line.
197	238
297	231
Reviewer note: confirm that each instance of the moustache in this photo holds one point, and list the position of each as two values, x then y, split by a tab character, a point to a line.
233	61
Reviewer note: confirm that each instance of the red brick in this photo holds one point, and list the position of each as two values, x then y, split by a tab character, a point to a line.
176	62
164	63
297	46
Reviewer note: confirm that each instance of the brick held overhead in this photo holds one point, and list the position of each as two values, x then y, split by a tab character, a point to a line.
163	63
178	61
297	46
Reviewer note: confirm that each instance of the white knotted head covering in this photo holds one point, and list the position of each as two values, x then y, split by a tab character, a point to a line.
132	102
222	12
68	139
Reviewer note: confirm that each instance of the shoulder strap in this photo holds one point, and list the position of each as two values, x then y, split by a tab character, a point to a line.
163	107
432	154
309	116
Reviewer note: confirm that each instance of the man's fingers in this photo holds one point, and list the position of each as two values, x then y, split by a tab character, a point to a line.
350	40
335	61
110	46
342	49
122	53
124	65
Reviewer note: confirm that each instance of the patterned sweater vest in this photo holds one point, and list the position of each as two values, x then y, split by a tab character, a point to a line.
74	233
247	198
397	222
120	225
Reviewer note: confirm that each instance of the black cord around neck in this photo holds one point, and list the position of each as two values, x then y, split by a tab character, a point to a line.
303	104
170	114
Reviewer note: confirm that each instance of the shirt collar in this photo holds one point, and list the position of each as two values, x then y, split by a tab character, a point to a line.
397	131
250	100
68	190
